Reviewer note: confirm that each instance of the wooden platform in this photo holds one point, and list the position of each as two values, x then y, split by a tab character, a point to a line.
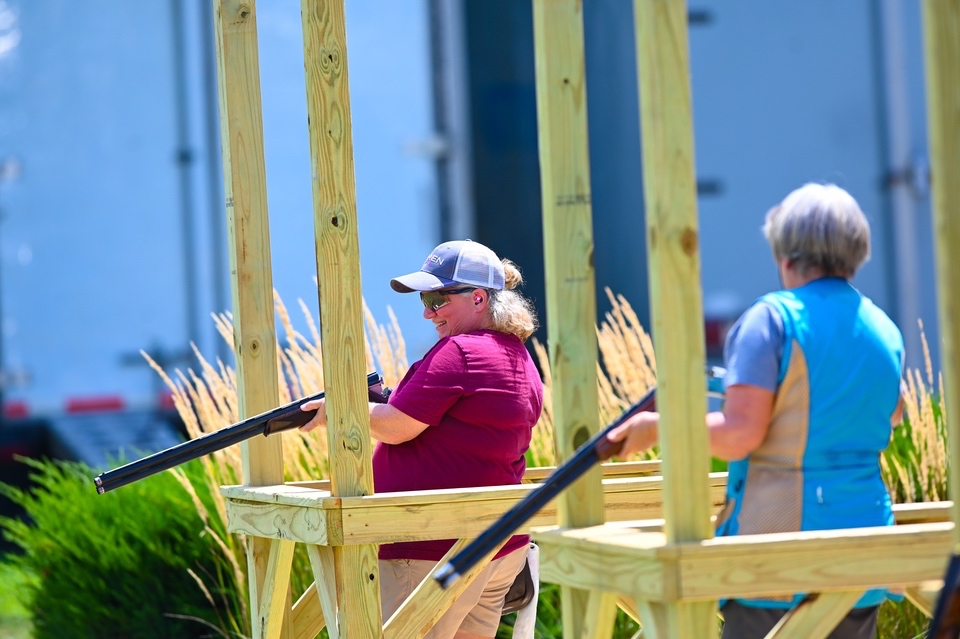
307	512
634	562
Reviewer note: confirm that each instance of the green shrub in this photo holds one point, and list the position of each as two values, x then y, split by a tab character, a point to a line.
14	618
124	564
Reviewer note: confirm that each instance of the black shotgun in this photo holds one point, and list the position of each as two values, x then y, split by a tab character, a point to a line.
595	450
279	419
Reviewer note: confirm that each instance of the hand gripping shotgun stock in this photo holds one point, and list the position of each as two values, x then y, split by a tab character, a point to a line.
595	450
286	417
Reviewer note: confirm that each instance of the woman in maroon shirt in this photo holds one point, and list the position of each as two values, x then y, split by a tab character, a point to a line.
462	416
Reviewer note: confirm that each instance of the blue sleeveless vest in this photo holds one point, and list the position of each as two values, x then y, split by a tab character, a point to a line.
819	466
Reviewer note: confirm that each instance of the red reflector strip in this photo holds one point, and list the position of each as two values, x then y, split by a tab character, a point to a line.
166	400
715	333
10	452
94	404
15	409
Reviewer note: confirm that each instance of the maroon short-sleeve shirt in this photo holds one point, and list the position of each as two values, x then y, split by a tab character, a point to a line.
480	395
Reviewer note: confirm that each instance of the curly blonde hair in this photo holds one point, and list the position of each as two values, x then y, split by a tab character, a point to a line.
510	311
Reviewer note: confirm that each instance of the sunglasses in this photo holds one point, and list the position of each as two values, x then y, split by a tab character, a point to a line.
435	300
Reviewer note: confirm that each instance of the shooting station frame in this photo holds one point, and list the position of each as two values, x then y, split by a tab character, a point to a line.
671	577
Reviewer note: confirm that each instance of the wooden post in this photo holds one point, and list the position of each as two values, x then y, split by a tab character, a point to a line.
341	304
568	254
268	561
676	306
941	20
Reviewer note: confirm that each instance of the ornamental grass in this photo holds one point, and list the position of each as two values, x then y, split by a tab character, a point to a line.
914	466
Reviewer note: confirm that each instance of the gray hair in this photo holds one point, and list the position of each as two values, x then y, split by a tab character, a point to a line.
819	226
511	312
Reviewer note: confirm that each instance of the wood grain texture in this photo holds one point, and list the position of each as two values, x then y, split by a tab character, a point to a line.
420	515
626	492
669	181
628	605
612	469
678	621
941	22
674	262
274	600
568	240
338	253
325	584
924	595
279	521
601	615
644	565
815	617
251	282
568	260
245	191
341	303
306	618
786	563
612	567
313	516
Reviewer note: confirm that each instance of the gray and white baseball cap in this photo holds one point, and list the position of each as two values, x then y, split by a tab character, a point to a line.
452	263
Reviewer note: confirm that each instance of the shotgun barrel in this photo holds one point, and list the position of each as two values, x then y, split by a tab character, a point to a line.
595	450
279	419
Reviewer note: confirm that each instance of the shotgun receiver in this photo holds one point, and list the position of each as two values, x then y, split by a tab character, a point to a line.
286	417
595	450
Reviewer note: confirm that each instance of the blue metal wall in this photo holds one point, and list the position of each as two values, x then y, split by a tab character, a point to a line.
783	94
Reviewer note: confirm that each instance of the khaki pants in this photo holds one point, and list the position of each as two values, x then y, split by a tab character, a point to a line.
477	610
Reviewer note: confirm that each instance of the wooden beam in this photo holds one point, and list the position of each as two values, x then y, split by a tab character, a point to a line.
941	21
313	516
923	513
674	621
674	253
323	564
816	616
924	595
643	564
601	615
568	239
629	606
814	560
644	468
245	190
307	616
418	515
624	562
670	197
301	524
251	281
273	600
341	303
568	254
612	469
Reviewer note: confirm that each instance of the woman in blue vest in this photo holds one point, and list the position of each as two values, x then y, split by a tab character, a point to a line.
813	389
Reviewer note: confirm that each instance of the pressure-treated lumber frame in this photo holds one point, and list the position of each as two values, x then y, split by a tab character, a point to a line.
941	23
669	571
356	580
670	193
245	192
569	272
